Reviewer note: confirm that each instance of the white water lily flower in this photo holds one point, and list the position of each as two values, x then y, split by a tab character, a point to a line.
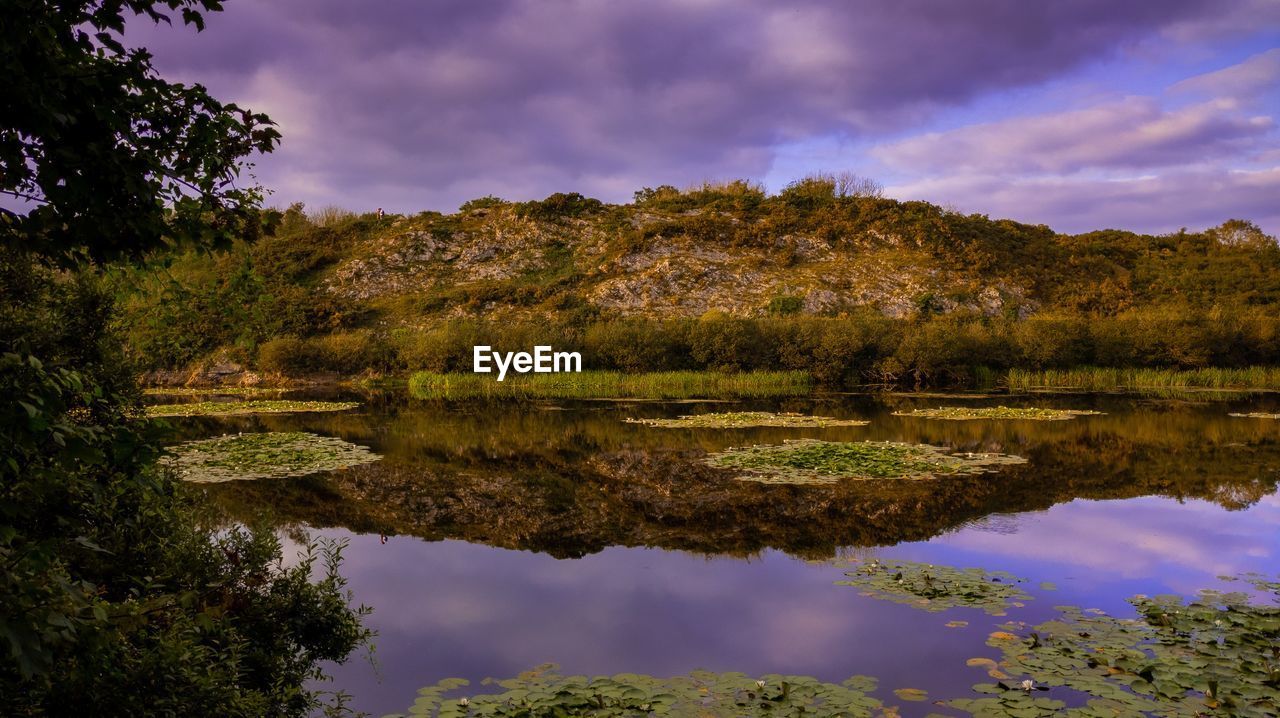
1028	684
759	684
464	701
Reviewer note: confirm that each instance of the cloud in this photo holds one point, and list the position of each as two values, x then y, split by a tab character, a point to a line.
413	105
1247	80
1132	133
1194	198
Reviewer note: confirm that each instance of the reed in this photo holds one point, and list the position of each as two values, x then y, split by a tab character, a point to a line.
611	385
1145	380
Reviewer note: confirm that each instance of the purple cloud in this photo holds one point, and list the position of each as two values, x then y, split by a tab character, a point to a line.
1132	133
1193	198
1245	81
413	105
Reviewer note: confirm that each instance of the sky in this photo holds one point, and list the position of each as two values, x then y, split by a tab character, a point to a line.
1149	115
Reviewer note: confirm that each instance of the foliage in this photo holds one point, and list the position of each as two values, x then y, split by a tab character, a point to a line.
969	413
257	406
559	205
740	419
937	588
116	597
809	461
112	159
486	202
544	692
270	455
112	596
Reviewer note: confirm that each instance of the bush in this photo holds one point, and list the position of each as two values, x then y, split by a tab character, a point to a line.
558	206
486	202
351	352
723	343
636	346
288	355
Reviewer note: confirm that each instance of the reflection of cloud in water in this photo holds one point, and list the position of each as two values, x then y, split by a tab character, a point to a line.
455	609
1185	543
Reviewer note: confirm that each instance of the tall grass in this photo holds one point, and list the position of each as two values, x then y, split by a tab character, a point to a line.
611	385
1145	380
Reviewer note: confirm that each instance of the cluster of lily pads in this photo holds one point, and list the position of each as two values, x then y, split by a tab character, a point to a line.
971	413
810	461
1216	655
937	588
743	419
215	391
263	456
257	406
544	692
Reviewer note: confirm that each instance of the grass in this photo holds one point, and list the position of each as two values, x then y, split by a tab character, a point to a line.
970	413
1146	380
809	461
611	385
268	455
742	419
233	408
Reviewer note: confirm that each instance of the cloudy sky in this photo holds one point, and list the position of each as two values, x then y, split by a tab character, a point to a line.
1150	115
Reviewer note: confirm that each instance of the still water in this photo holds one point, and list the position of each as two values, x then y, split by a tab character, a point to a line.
495	537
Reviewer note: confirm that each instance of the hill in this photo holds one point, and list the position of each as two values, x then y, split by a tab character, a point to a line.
385	288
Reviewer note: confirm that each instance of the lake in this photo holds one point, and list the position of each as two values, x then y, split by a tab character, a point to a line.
495	537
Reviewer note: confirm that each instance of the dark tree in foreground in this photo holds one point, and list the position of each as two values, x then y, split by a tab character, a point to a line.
99	152
115	599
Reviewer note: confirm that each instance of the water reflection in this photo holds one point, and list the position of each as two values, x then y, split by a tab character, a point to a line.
572	479
679	567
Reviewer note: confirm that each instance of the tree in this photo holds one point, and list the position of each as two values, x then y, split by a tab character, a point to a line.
100	154
115	598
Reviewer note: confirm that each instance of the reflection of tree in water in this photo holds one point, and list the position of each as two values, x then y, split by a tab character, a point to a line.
569	504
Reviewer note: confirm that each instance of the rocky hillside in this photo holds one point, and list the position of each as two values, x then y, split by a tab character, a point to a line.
504	261
732	249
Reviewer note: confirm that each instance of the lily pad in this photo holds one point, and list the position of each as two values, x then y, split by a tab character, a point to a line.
742	419
1215	655
936	588
972	413
234	408
215	391
544	692
268	455
809	461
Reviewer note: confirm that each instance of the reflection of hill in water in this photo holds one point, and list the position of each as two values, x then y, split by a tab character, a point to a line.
570	482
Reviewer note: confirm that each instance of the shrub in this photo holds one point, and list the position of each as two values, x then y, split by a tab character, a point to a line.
288	355
785	305
351	352
558	206
486	202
